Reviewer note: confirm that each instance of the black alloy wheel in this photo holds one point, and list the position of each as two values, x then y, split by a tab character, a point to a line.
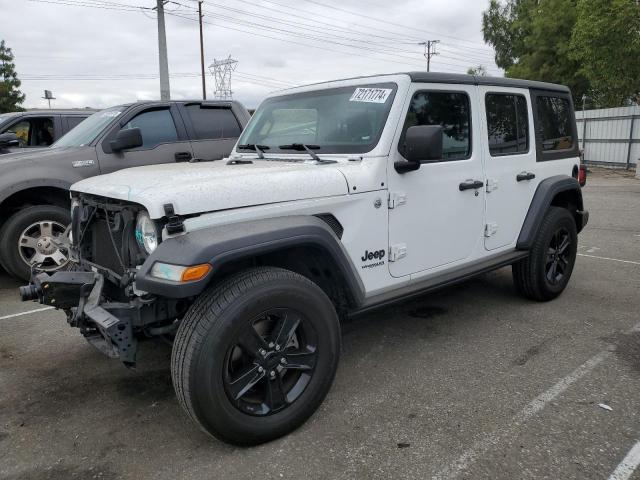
558	256
272	362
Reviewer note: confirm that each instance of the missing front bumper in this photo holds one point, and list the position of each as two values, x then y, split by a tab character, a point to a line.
107	325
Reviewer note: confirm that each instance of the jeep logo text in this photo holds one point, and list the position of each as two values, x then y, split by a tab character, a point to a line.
377	255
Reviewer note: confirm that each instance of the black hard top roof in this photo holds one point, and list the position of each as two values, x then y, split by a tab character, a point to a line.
436	77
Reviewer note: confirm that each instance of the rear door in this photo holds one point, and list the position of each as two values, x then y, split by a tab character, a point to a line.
213	129
510	162
35	130
163	134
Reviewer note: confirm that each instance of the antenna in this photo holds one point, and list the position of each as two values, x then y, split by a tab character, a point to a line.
221	71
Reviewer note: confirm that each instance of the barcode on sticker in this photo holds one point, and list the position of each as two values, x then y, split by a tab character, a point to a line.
370	95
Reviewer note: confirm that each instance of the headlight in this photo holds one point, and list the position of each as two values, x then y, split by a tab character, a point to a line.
146	233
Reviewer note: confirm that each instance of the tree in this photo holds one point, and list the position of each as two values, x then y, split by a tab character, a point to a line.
480	71
532	40
606	43
11	97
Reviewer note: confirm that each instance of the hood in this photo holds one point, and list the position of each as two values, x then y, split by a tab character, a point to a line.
210	186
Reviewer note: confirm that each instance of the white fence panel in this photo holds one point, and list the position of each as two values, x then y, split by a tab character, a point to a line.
611	136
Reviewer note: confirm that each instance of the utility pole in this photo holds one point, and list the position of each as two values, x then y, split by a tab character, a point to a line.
165	92
204	83
429	51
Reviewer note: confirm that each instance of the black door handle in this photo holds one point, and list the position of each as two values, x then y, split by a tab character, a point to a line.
471	185
183	156
525	176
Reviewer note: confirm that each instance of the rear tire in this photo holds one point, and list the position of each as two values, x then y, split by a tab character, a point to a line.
22	228
545	273
255	355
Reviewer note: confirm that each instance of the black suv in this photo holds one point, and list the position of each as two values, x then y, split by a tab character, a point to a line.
37	128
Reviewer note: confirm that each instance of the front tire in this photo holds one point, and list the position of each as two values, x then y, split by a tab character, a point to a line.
26	239
545	273
255	355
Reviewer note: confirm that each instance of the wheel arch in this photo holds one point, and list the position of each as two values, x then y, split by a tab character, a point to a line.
559	191
303	244
33	193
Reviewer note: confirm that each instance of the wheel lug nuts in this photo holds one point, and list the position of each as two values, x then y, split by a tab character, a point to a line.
277	348
260	369
263	352
283	360
271	345
272	374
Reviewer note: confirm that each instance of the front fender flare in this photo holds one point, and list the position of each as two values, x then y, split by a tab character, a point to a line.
223	244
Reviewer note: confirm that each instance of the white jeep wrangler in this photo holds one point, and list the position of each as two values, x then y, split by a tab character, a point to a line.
338	198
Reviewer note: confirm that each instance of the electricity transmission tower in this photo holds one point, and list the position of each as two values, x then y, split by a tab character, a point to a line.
429	51
221	71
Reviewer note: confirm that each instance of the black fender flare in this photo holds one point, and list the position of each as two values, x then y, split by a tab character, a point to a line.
220	245
547	190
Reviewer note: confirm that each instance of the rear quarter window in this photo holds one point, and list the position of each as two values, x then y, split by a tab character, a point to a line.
556	135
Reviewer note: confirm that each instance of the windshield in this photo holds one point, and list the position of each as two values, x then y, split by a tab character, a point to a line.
337	120
5	117
87	131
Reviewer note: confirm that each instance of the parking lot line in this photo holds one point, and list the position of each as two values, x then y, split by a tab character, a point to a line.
628	464
484	444
25	313
607	258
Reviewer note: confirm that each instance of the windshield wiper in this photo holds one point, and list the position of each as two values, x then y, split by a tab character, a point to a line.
258	148
306	148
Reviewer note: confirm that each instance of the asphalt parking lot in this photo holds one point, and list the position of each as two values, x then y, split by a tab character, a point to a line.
473	382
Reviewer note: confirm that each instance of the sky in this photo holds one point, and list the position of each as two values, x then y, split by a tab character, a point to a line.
98	53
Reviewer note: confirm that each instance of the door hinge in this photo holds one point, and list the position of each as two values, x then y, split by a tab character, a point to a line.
490	229
396	199
396	252
492	184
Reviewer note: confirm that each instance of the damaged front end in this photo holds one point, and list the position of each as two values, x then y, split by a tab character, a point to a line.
98	291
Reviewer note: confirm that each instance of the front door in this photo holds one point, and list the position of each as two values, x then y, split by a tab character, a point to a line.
163	135
437	214
510	162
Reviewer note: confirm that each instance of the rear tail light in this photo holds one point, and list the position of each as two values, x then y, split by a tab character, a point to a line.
582	175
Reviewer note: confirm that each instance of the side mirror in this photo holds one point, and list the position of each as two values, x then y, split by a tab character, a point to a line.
126	139
9	139
422	144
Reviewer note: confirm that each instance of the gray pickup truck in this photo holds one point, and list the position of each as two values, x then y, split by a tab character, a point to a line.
34	196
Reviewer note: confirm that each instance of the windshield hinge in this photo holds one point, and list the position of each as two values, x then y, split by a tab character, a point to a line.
396	252
396	199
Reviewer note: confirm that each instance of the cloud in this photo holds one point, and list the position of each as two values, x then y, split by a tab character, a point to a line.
100	57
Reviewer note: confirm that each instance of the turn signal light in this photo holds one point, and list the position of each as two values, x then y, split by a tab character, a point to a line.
196	272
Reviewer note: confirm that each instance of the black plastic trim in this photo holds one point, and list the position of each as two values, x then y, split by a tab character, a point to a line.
545	193
220	245
439	281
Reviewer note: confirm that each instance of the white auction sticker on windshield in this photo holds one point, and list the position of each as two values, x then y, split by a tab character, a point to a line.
370	95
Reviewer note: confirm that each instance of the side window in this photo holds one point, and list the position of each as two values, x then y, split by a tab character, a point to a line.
156	127
34	132
554	123
449	109
74	121
507	124
213	123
